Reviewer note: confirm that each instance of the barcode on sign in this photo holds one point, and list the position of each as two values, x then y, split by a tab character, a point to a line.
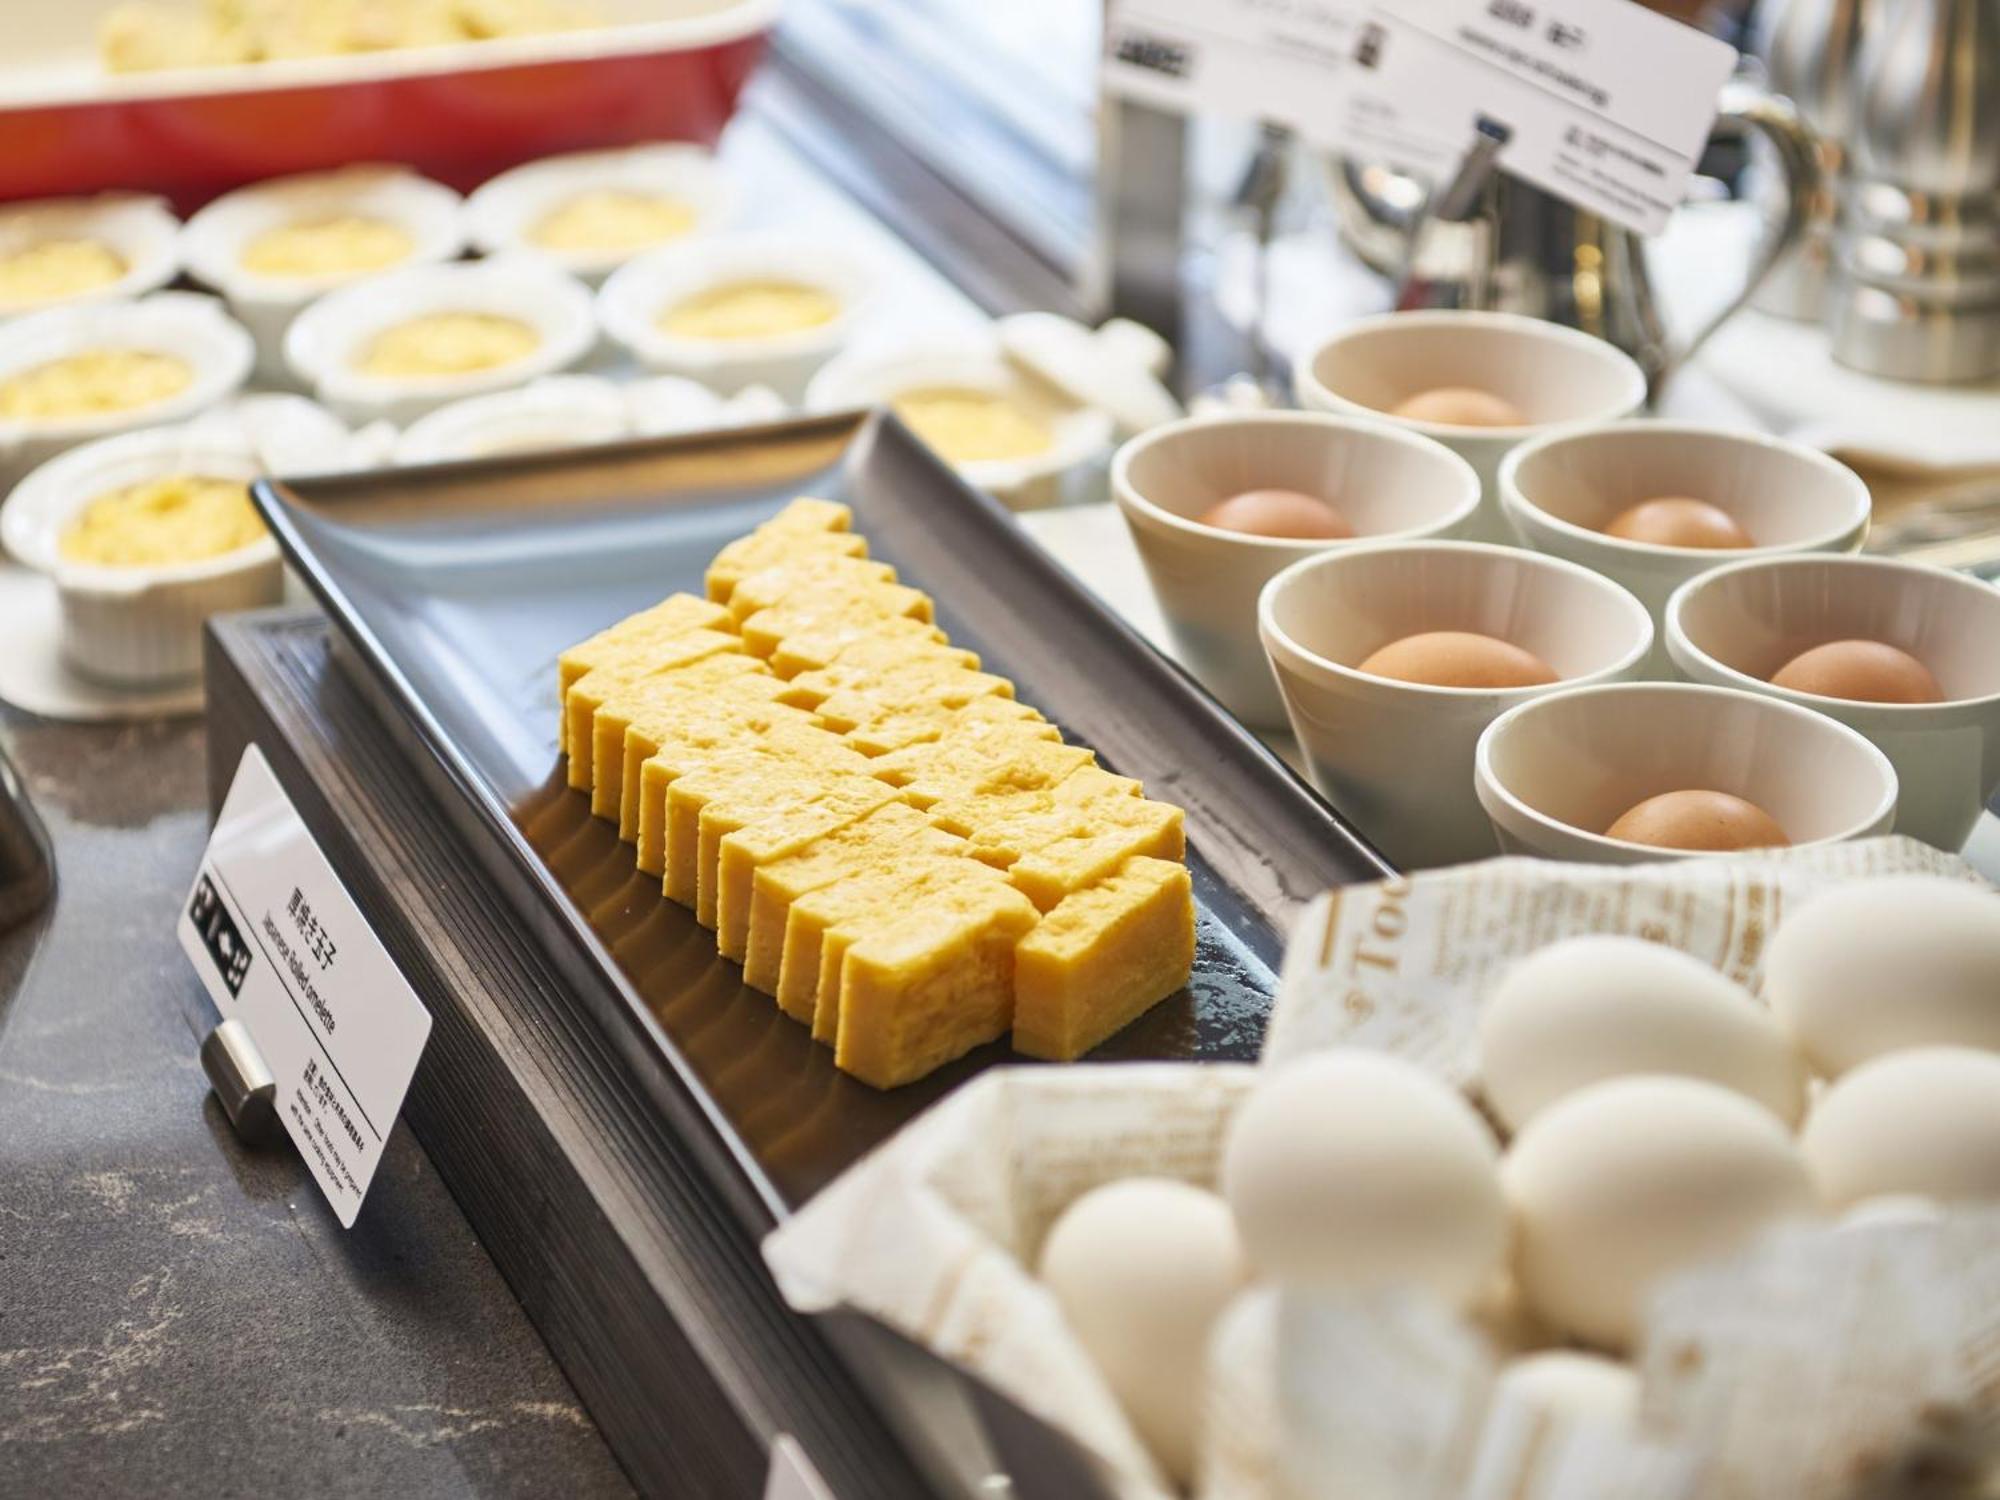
1155	54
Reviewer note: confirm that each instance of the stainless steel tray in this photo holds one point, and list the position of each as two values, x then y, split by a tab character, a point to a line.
455	586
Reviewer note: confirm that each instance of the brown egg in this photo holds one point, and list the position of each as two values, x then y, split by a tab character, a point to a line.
1460	406
1676	521
1864	671
1459	659
1698	820
1289	514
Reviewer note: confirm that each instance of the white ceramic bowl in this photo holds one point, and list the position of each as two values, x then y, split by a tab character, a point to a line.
326	340
670	404
187	326
1388	483
639	291
141	625
1738	624
216	237
1554	772
1396	757
1081	435
503	214
1561	489
560	411
1554	375
138	230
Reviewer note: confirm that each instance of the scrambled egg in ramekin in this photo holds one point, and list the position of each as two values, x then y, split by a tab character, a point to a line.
613	221
54	270
447	344
751	310
965	426
178	518
337	245
95	382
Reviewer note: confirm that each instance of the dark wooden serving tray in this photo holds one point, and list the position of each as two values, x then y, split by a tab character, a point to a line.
453	588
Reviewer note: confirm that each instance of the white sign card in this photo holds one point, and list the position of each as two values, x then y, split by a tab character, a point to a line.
1604	103
1285	62
281	946
1601	102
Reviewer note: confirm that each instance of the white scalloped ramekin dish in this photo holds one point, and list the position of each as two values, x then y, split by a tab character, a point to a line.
1082	435
326	338
639	291
138	229
183	324
142	625
501	215
431	214
560	411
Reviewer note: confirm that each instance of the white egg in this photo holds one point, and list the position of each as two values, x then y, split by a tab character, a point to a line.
1571	1385
1880	965
1628	1180
1142	1268
1925	1122
1351	1169
1593	1008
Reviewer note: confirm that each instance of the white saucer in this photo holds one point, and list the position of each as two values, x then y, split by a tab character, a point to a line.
34	677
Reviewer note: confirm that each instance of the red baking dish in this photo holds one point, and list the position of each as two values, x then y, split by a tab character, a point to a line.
658	70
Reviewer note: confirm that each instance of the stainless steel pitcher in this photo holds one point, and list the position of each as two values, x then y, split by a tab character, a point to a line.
1519	249
1812	49
1917	285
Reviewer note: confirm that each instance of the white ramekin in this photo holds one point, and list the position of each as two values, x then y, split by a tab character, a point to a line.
1387	482
1736	625
1554	772
1396	757
137	626
428	212
567	411
665	405
182	324
643	288
502	214
327	337
1081	435
1554	375
1560	490
559	411
145	235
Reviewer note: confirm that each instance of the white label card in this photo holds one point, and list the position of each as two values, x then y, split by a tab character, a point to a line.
1602	102
282	947
1281	61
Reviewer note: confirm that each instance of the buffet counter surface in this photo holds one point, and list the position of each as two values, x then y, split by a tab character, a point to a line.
177	1310
180	1314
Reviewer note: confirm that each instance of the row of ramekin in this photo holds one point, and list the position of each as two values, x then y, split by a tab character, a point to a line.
322	343
822	368
140	626
1443	775
1399	759
441	225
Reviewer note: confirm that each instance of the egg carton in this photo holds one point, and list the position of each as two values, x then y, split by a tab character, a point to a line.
1818	1356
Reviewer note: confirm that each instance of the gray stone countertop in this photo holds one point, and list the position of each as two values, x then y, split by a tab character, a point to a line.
180	1315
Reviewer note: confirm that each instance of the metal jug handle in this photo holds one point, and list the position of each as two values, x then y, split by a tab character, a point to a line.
1749	110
